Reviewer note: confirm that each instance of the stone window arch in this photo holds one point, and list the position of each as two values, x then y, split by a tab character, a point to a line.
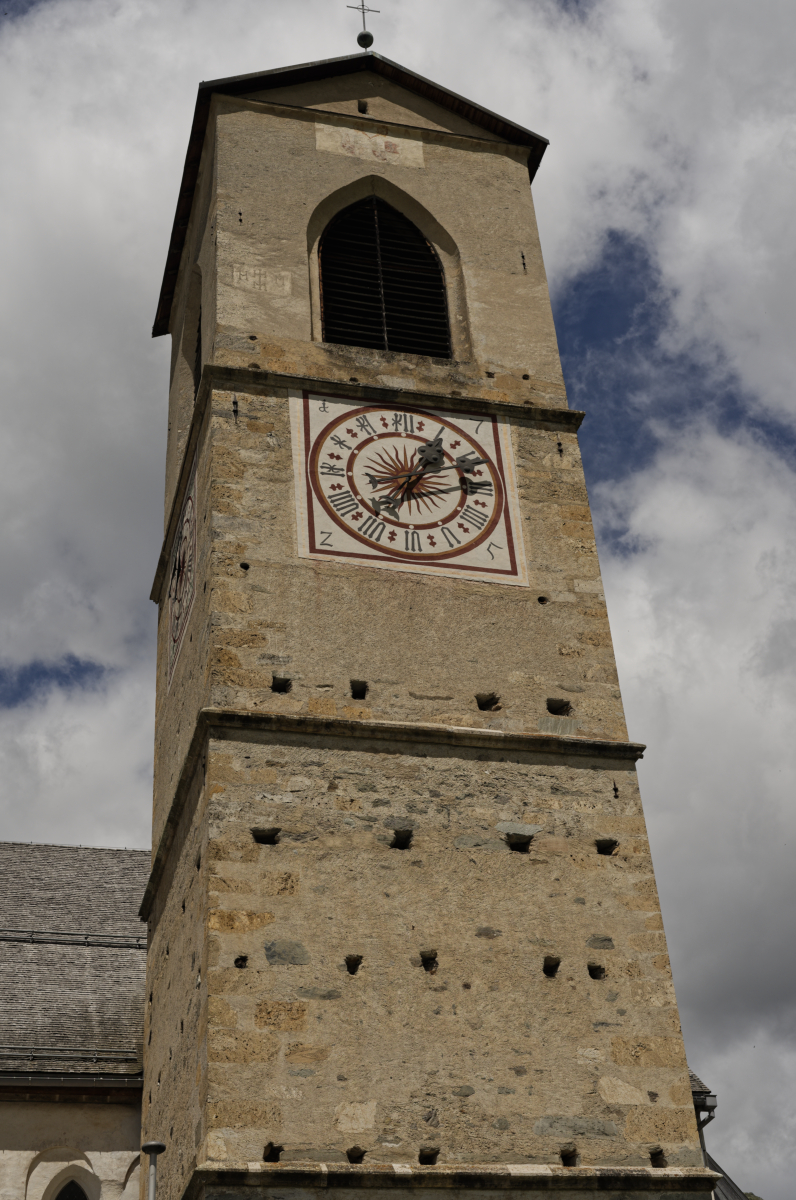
429	228
62	1173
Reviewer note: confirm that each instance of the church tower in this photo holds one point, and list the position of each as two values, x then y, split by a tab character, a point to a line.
403	924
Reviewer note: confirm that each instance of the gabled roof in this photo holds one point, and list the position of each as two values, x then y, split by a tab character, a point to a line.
282	77
72	961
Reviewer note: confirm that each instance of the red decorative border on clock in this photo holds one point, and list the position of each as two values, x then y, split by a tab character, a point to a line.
400	557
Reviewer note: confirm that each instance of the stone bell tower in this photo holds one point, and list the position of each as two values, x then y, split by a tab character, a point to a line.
404	929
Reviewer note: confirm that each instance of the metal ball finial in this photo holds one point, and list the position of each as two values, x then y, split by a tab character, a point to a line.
365	38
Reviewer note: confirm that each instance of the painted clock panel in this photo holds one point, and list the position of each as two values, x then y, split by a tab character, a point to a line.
409	489
182	576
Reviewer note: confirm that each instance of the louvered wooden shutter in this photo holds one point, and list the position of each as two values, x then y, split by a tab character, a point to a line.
381	283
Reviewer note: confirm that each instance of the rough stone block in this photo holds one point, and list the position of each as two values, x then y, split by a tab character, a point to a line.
286	1015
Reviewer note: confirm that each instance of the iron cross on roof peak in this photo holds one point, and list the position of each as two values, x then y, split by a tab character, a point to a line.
365	38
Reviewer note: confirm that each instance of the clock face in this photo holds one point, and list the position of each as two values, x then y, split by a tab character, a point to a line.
406	488
182	575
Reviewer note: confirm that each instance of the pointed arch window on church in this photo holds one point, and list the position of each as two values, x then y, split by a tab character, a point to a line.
382	284
72	1191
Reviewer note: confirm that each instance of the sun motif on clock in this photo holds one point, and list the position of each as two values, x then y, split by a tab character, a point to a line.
409	489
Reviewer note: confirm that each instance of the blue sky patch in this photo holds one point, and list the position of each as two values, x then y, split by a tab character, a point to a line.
20	685
609	321
15	8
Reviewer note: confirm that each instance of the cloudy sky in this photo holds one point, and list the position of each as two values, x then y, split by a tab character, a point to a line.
666	206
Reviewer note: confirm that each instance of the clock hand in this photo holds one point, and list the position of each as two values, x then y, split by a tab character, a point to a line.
386	505
431	455
392	502
463	463
466	464
465	485
431	461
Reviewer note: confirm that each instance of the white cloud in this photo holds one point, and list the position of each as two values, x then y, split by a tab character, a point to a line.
76	765
697	612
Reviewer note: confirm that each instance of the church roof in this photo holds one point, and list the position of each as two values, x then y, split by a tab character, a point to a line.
281	77
72	961
725	1189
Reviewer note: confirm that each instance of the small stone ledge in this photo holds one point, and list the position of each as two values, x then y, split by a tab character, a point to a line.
475	1177
216	722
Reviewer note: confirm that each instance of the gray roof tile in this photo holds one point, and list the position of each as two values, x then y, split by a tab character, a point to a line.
64	1005
697	1086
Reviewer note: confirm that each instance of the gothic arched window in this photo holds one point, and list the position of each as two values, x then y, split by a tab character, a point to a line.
381	283
72	1191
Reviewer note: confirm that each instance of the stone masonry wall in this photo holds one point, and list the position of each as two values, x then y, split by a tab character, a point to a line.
175	1018
484	1057
435	642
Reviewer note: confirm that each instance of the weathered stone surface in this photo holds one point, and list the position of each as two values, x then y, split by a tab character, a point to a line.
599	941
616	1091
649	1052
221	1013
299	1053
355	1117
656	1124
230	921
574	1127
284	953
312	993
229	1113
471	841
226	1046
284	884
518	828
313	1154
281	1014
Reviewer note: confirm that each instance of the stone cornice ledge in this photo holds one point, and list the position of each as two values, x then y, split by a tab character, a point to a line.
403	731
503	1177
220	721
245	379
226	376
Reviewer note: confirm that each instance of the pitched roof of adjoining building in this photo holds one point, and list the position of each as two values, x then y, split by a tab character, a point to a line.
725	1189
72	959
349	64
